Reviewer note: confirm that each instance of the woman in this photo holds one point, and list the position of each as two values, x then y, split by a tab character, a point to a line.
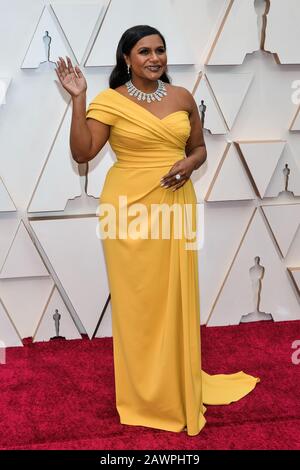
155	131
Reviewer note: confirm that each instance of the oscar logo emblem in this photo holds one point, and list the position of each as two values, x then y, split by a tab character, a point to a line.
56	318
202	108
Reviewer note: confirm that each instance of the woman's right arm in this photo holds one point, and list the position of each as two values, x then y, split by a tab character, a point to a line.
87	136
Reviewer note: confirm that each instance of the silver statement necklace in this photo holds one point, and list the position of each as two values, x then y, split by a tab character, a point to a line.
141	95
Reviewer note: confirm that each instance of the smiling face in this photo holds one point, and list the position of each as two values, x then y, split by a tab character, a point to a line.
148	58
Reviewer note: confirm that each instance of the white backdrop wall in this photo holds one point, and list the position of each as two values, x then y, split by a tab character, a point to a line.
241	57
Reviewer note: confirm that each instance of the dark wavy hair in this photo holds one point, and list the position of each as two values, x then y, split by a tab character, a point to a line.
129	38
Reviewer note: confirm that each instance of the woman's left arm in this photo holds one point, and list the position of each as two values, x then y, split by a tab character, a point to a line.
195	147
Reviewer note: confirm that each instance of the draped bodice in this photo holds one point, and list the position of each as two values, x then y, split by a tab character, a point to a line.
138	137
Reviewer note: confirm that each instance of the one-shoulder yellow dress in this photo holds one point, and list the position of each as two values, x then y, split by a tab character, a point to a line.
154	281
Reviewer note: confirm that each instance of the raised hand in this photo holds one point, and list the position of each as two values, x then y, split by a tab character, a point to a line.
70	78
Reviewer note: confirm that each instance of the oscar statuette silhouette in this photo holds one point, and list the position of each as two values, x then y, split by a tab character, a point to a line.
56	318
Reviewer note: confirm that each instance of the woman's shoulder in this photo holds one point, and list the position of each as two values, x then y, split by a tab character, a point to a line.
182	95
179	90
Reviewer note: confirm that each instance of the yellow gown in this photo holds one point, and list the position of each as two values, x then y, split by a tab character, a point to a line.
154	282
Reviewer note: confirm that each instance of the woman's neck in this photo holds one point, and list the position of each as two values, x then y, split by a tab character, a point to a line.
145	85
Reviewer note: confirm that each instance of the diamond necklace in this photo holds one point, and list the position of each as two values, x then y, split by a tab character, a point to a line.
141	95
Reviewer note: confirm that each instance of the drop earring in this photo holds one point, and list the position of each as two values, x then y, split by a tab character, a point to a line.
128	69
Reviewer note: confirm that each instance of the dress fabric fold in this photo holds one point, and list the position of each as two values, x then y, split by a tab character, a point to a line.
154	285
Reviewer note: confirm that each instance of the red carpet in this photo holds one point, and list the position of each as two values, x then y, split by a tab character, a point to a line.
60	395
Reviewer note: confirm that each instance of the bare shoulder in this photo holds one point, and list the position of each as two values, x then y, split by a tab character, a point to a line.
121	89
183	96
